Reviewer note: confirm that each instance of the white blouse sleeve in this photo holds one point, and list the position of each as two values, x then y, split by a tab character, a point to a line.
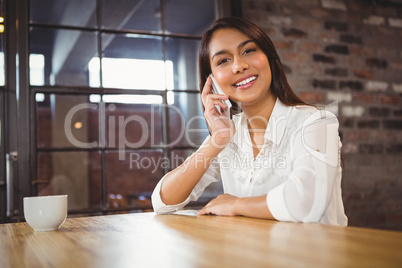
211	175
305	195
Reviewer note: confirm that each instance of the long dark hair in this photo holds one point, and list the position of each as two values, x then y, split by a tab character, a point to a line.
279	85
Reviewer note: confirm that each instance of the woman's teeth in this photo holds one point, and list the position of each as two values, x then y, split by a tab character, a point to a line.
248	80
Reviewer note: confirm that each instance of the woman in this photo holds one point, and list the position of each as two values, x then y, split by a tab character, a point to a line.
277	159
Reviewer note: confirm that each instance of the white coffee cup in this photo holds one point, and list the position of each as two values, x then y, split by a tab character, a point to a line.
45	213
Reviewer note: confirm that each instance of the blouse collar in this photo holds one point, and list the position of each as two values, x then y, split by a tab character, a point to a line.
275	129
277	122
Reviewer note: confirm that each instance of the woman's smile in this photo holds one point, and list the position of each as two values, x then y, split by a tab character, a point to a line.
245	82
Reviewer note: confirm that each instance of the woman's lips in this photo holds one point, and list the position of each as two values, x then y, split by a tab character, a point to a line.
245	82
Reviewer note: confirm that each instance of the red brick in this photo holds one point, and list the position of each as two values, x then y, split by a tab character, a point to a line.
282	44
361	50
306	69
398	113
307	23
320	13
364	98
295	7
387	10
387	136
270	31
295	56
294	33
395	218
357	136
375	62
392	100
364	74
396	65
328	37
311	97
349	148
336	25
309	47
375	219
381	31
355	196
357	6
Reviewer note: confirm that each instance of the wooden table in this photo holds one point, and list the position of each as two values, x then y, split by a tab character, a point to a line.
186	240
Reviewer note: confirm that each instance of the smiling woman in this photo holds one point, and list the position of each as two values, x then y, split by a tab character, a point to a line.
278	159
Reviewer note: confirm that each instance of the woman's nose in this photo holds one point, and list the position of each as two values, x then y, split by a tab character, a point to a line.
239	66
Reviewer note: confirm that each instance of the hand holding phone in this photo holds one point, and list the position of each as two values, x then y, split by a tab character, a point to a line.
216	89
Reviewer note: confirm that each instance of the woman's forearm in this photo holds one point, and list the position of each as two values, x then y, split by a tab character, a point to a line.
178	184
255	207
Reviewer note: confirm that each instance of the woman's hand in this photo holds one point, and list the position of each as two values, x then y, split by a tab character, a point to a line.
223	205
222	128
229	205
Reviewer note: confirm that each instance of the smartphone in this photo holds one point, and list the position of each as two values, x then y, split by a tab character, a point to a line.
216	89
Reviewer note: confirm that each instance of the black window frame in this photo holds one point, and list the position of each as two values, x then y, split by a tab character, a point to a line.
104	91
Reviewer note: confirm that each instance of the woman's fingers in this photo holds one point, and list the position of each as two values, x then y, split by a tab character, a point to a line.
206	90
214	100
220	126
221	205
206	209
207	87
209	99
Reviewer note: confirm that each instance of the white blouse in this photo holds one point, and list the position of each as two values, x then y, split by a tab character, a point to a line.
298	167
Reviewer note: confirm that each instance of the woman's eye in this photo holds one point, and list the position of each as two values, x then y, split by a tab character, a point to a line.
222	61
249	50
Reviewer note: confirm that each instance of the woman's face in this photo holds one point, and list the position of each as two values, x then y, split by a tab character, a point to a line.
239	66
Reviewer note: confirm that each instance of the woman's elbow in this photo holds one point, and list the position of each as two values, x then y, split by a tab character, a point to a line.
160	208
306	211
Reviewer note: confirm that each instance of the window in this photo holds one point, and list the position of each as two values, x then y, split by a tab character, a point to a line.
116	96
2	79
3	185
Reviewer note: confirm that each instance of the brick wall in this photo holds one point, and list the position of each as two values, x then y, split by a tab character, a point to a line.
349	52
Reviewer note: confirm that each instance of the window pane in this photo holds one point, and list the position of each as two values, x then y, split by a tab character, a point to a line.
64	12
66	121
189	17
186	121
77	174
131	14
133	62
66	54
183	53
132	125
3	188
2	62
131	180
1	121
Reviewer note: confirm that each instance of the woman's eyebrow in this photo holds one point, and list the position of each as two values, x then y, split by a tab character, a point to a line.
242	44
223	51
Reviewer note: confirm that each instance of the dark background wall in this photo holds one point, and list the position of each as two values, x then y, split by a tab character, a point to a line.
349	54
